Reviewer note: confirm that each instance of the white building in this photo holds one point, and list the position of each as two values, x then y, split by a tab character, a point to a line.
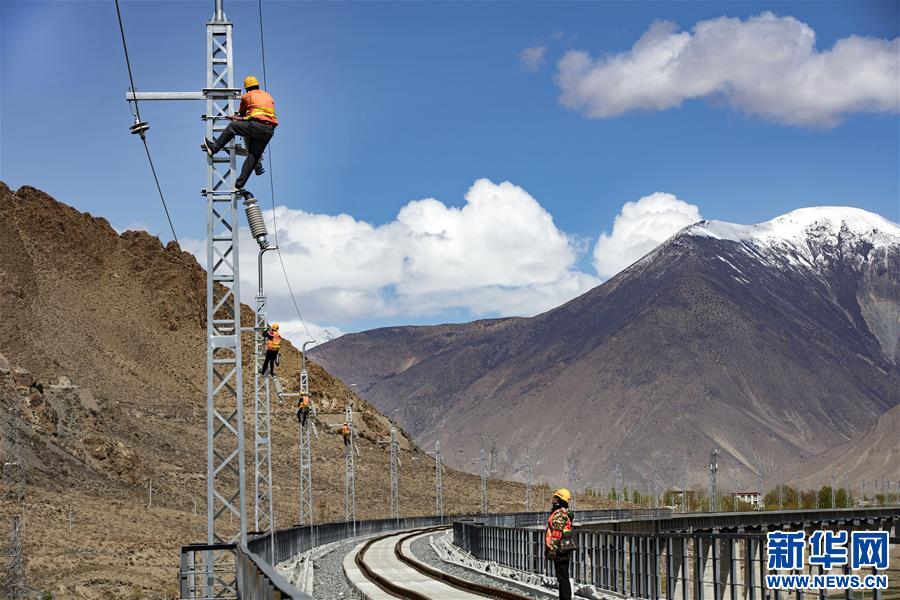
754	499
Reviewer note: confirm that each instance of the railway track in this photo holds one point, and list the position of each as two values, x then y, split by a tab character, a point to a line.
387	566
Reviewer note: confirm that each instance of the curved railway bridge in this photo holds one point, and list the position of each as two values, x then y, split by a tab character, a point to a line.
640	554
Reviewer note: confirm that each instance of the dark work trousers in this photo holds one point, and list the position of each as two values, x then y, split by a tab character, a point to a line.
301	416
270	361
562	576
257	136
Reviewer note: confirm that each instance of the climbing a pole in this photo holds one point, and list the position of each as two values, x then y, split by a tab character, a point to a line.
350	470
226	513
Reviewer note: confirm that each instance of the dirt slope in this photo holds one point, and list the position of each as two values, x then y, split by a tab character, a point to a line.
121	319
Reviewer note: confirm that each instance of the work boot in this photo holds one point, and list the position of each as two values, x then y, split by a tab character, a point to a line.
259	169
207	146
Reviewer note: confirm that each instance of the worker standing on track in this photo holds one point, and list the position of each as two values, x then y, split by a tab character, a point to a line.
558	525
273	343
345	433
303	410
255	121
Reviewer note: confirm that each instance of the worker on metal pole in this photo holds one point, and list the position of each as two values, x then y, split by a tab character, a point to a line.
255	121
273	343
345	433
558	540
303	410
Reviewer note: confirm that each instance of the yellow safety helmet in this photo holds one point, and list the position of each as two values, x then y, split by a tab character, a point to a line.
274	326
563	494
250	81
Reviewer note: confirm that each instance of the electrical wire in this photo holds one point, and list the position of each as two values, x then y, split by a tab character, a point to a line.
137	114
287	280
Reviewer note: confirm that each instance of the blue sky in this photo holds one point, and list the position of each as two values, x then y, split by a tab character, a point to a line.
383	104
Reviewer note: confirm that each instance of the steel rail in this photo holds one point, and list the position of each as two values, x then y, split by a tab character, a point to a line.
432	573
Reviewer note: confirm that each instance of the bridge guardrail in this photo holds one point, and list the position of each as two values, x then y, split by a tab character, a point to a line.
656	565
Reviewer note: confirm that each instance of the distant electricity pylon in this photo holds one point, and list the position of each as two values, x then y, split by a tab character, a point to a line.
529	480
395	468
619	485
350	451
484	478
438	482
714	481
14	585
573	479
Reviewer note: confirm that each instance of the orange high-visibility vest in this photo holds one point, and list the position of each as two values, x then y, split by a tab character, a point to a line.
345	430
274	343
259	105
304	403
552	534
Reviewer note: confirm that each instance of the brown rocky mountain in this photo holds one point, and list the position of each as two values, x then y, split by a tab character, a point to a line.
102	354
771	342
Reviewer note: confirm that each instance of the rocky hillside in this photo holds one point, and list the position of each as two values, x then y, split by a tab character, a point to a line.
771	342
104	345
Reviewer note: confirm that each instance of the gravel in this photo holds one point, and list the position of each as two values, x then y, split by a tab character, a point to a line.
329	582
422	550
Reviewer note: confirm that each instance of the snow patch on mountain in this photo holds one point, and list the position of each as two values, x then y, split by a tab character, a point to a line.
800	226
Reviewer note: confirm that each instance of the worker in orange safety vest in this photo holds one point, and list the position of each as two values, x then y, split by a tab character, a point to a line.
256	121
558	525
273	343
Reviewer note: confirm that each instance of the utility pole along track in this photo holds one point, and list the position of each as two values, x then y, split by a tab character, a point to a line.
383	569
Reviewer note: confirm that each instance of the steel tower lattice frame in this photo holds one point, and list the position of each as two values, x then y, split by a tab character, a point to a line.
350	473
304	488
225	467
573	479
263	510
484	478
714	481
438	482
395	468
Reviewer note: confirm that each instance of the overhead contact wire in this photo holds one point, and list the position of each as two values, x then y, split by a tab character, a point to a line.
287	280
137	110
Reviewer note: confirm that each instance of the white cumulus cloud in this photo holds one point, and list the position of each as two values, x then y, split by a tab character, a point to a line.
766	65
532	59
499	253
639	228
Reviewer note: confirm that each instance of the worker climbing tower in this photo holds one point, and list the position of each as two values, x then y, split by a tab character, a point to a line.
619	485
305	489
350	472
226	510
263	508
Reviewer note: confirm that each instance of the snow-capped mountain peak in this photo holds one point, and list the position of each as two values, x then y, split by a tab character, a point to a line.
798	227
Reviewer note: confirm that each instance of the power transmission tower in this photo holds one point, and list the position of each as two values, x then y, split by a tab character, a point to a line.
493	456
263	509
14	480
619	485
573	479
656	487
832	492
529	480
438	482
714	481
395	468
684	505
484	478
350	451
305	489
225	471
